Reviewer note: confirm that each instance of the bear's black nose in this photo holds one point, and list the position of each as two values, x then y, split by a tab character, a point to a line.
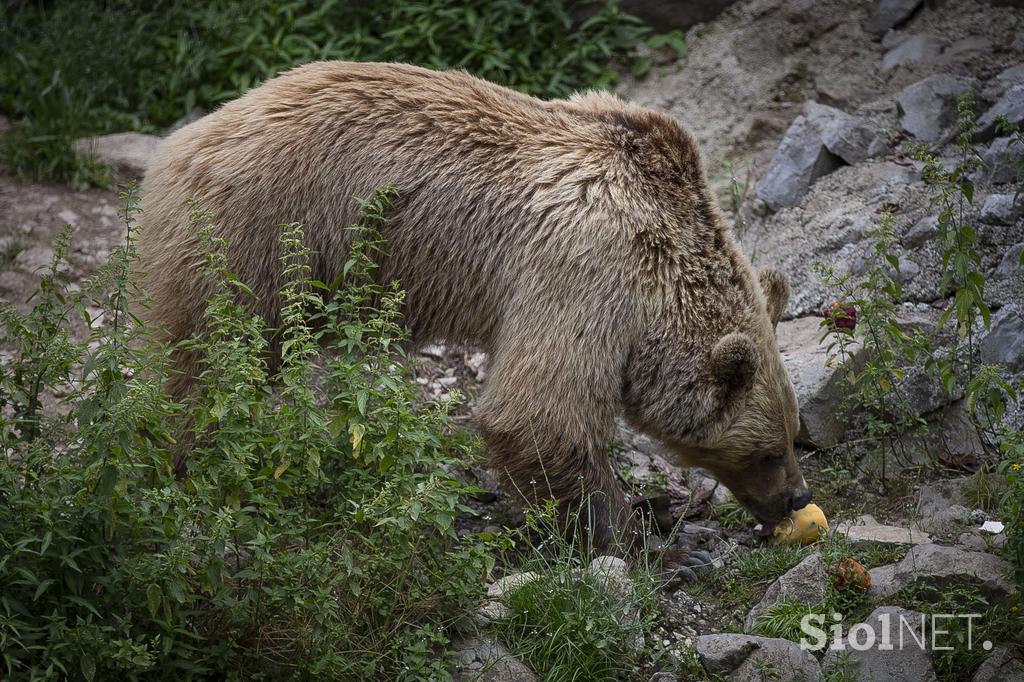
800	500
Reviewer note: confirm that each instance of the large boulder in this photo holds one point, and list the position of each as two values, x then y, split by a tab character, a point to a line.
937	565
1009	106
745	657
666	16
903	660
1004	342
800	159
1000	667
1001	209
887	14
127	153
817	384
917	48
804	584
816	143
1002	159
928	107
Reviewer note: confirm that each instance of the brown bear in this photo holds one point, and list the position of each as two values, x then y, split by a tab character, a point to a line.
575	241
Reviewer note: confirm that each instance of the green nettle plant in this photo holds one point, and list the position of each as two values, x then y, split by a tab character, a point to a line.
864	335
314	535
871	299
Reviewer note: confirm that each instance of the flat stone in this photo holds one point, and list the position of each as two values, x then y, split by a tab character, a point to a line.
917	48
804	584
1010	106
866	531
887	14
479	659
1003	344
928	107
1000	667
905	660
937	565
816	384
744	657
127	153
800	159
1001	209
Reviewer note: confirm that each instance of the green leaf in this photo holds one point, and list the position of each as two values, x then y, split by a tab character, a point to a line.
88	664
356	433
153	598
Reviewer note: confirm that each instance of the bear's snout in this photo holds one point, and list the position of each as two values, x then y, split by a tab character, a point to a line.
800	499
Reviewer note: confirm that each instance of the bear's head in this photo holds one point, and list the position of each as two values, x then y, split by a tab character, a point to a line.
722	400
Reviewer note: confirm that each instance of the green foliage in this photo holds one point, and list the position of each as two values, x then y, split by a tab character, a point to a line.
62	77
874	383
998	623
314	536
570	623
734	515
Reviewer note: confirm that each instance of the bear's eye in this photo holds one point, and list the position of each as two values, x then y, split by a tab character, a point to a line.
765	457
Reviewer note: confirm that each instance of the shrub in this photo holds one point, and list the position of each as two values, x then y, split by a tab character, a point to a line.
314	535
61	77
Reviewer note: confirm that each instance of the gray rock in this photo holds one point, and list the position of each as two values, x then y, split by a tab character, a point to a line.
1010	263
928	107
917	48
866	531
479	659
663	677
948	522
666	16
1012	74
127	153
922	232
937	565
510	583
803	584
906	660
800	159
1010	106
187	119
1001	209
844	135
816	384
746	657
1004	342
1000	667
817	143
34	259
939	495
1003	159
887	14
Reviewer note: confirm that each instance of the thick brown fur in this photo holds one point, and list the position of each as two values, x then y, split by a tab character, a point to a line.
576	241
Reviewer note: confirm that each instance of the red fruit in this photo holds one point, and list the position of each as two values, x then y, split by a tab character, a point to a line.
841	316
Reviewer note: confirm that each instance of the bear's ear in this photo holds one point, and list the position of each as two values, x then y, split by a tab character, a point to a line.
734	361
776	292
